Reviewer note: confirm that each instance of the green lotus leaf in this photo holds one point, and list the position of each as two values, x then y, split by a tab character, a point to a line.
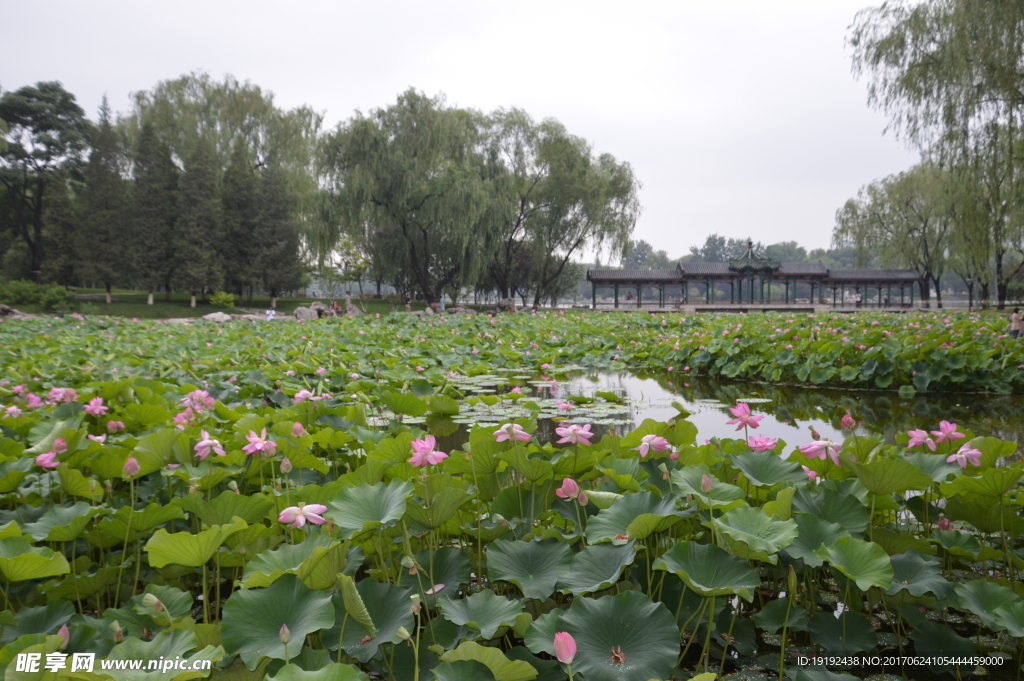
764	469
442	507
19	560
116	525
635	516
812	534
43	619
983	598
888	476
687	481
601	499
447	565
45	433
755	535
841	508
532	469
595	568
389	609
964	545
931	638
812	674
147	415
62	523
501	667
403	403
642	633
253	618
360	510
333	671
185	548
33	643
220	511
484	611
73	482
992	450
316	561
174	603
80	586
648	427
849	633
781	612
12	473
532	566
986	518
540	635
709	570
917	576
933	465
993	484
895	543
161	447
168	644
1011	618
354	606
864	562
462	670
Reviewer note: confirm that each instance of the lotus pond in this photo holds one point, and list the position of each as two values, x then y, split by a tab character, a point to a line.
455	499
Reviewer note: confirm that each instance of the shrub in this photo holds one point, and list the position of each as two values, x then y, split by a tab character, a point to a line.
50	297
222	299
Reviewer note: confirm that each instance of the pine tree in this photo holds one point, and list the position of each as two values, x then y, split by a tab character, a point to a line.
196	229
238	197
104	207
276	253
153	215
62	234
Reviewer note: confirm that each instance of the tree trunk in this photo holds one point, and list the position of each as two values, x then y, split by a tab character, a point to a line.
192	303
149	298
108	295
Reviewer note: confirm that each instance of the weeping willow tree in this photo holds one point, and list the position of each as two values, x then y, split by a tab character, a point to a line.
950	76
906	219
419	172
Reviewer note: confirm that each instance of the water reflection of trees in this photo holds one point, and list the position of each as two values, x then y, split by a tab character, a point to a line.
885	413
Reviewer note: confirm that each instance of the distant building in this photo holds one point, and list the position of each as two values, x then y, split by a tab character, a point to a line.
750	277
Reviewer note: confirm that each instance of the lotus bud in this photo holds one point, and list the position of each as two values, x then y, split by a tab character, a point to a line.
151	601
403	633
565	647
791	582
286	466
706	485
60	445
286	635
65	636
298	430
131	467
582	499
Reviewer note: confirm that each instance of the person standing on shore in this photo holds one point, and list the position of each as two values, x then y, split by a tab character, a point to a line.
1016	322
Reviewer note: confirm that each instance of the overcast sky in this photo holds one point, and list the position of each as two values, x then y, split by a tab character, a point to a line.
739	117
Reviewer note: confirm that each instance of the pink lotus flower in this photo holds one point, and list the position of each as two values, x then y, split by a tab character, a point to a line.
517	390
95	407
424	454
419	368
60	445
97	438
947	432
12	412
302	396
920	437
33	401
434	590
298	430
354	377
286	465
259	443
571	490
565	647
296	516
321	371
743	418
822	448
19	389
650	443
762	443
966	455
847	422
185	418
206	445
47	460
199	400
811	475
131	467
564	406
944	524
511	432
574	434
706	484
115	426
545	365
